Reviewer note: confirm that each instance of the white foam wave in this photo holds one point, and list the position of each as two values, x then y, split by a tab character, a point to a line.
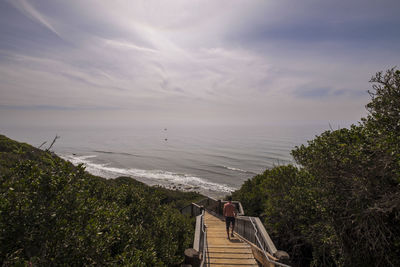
156	176
74	159
235	169
87	157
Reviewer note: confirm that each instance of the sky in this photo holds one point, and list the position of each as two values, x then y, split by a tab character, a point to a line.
192	62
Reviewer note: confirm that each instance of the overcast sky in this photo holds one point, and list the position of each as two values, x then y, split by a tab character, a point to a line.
188	61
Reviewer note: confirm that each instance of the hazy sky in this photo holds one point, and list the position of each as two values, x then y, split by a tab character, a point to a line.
126	62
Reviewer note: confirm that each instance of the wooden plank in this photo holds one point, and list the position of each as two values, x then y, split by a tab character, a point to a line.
228	248
232	261
225	255
196	241
219	242
229	252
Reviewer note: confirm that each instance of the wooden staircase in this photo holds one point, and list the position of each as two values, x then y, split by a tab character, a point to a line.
222	251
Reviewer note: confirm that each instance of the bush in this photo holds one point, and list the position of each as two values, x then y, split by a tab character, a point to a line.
52	213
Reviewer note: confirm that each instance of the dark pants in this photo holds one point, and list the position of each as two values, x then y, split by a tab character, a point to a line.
228	221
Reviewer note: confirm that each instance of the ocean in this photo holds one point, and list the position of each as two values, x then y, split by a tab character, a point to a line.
212	160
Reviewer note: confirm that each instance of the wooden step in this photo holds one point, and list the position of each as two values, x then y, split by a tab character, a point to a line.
231	261
225	255
219	234
237	247
219	243
236	265
229	249
222	242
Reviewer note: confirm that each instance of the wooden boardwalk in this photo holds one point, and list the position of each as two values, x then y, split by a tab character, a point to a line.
223	251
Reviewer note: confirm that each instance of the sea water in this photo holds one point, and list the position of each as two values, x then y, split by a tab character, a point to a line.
212	160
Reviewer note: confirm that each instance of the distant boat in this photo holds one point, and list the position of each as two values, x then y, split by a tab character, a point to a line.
165	129
166	139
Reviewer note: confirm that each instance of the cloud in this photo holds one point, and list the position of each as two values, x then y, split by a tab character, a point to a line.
206	59
127	45
34	14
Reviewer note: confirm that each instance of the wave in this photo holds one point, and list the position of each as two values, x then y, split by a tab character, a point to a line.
82	158
165	178
237	169
232	169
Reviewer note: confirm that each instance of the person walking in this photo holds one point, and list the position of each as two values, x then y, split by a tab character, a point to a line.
230	214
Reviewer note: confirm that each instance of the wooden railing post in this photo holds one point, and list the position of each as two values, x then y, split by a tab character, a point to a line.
192	257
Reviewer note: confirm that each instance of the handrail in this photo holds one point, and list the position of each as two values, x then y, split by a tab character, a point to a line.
197	233
200	239
192	209
205	242
261	246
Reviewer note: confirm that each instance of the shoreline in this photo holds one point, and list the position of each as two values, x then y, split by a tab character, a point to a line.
154	178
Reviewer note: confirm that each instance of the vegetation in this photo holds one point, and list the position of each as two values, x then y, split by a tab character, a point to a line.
53	213
341	207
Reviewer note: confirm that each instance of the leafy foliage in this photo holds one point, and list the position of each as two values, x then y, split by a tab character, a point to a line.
342	206
53	213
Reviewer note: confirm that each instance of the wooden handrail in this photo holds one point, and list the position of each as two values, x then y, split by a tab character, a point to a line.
197	233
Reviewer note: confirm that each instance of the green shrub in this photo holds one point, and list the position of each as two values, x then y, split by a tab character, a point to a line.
52	213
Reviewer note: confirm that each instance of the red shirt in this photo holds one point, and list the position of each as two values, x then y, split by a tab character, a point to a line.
229	210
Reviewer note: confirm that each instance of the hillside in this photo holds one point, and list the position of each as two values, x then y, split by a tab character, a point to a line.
53	213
